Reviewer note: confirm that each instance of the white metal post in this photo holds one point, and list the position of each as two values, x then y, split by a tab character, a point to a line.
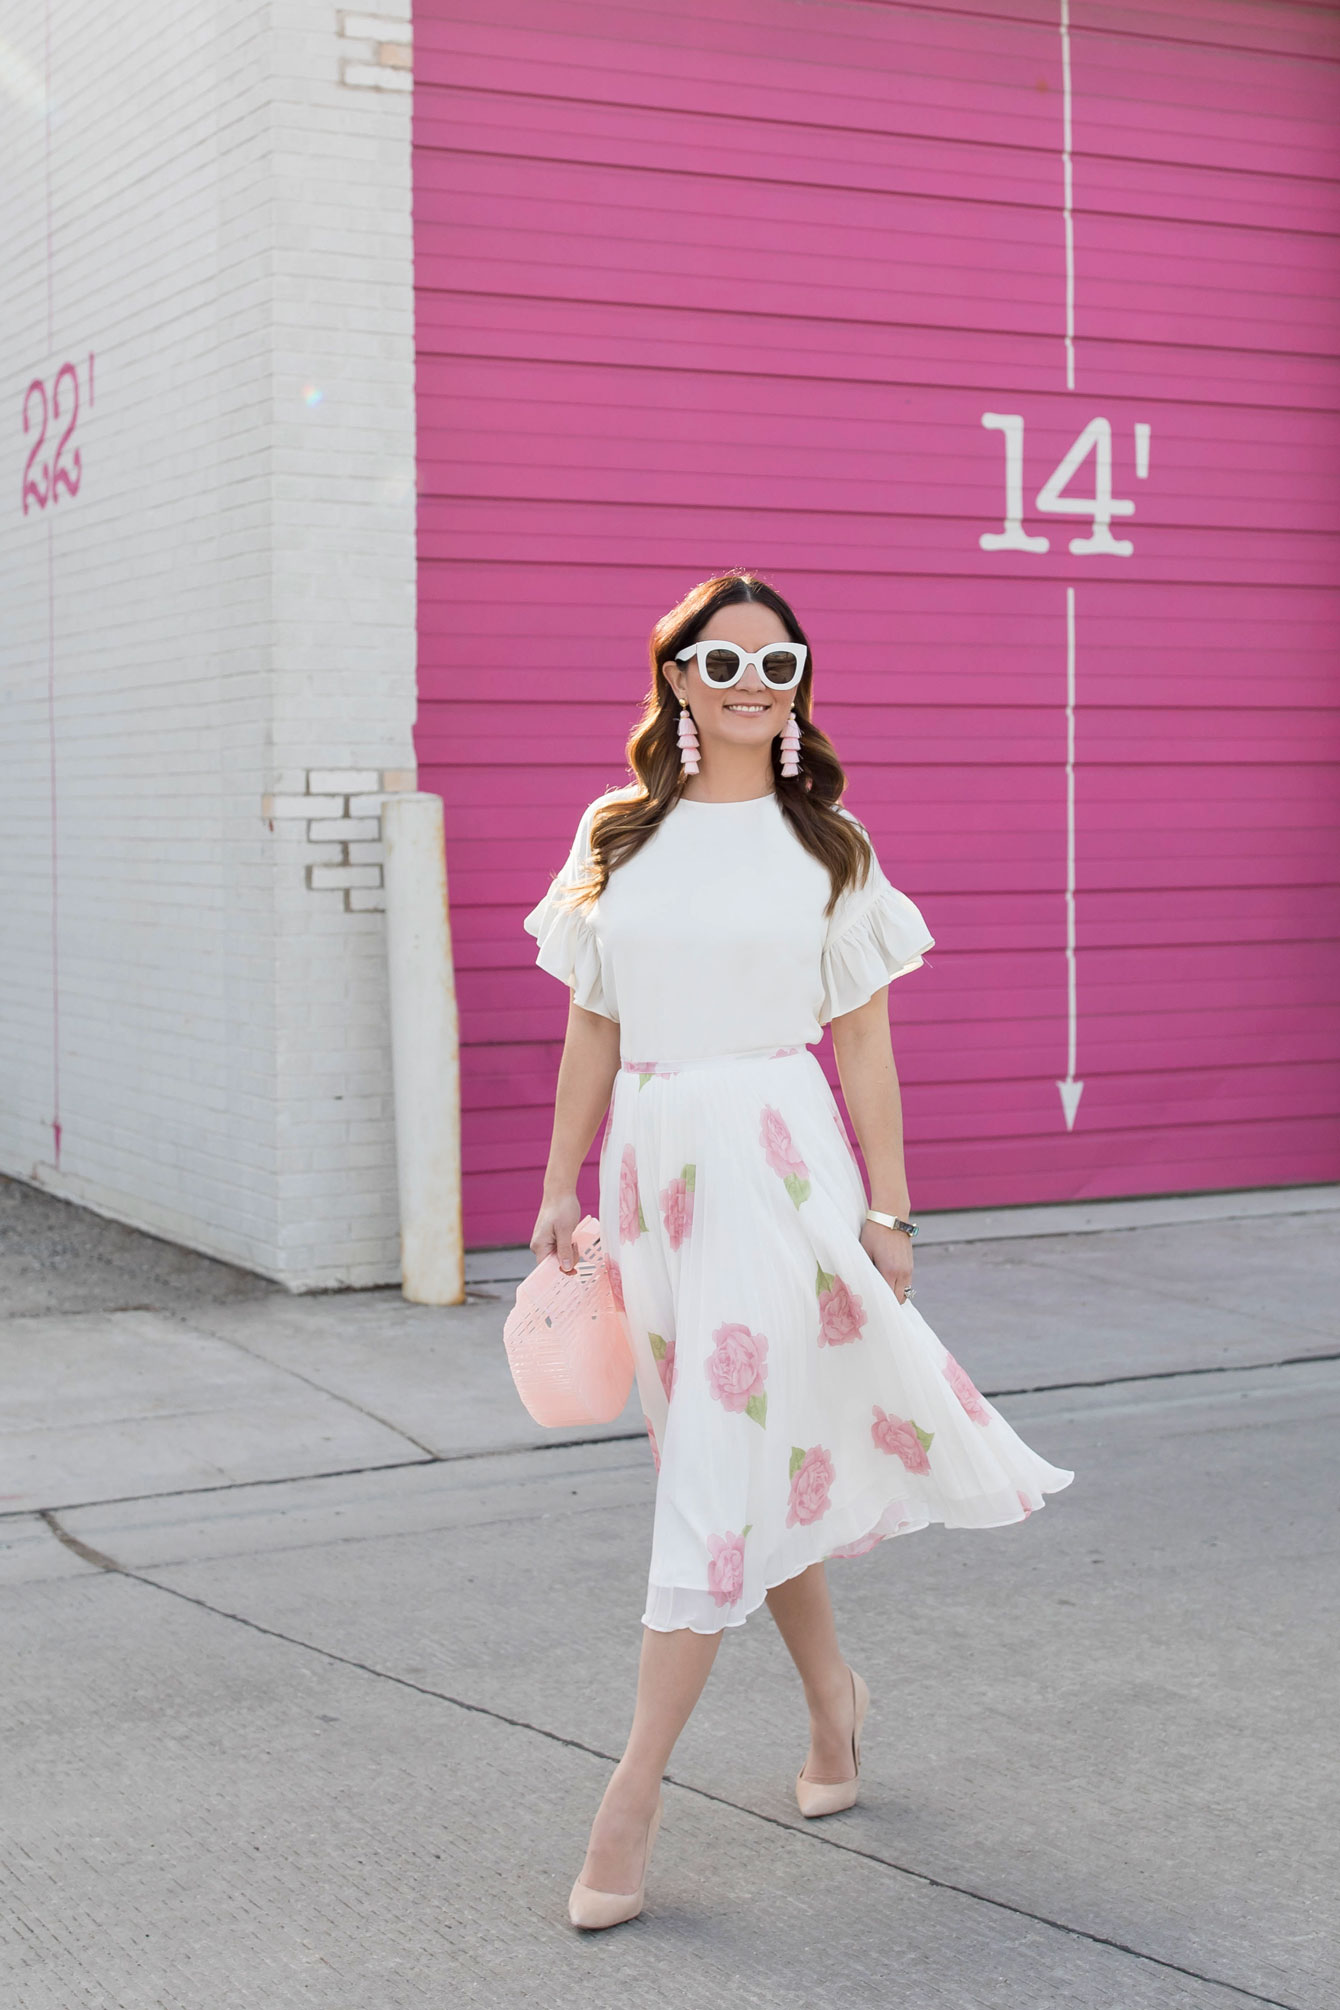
425	1051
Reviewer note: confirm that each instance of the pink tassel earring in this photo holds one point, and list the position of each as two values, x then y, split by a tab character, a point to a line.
791	744
688	739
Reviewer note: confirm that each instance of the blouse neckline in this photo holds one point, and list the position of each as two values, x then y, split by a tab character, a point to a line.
741	803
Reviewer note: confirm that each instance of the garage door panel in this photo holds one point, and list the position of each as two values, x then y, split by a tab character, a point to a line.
858	427
1278	499
1245	919
979	79
1160	1159
697	540
687	241
585	437
981	614
1207	1036
1251	27
1002	284
1252	794
698	207
654	257
751	148
706	278
1226	109
551	401
967	674
1236	1096
676	137
973	81
1185	192
455	324
1005	732
1155	77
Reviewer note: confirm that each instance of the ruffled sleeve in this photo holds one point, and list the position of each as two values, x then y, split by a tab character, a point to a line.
569	948
875	933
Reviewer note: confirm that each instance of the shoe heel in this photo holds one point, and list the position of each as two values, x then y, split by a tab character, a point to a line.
815	1797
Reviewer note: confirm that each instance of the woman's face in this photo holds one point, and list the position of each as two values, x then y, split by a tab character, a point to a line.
748	714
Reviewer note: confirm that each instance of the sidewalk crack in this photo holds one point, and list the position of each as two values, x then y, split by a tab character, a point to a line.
83	1550
196	1324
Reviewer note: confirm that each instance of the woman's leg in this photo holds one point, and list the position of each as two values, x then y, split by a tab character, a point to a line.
804	1615
670	1677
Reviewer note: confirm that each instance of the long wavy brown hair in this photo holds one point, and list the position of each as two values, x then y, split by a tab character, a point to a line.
621	826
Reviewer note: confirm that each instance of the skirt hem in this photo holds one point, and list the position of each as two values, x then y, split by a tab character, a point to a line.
846	1551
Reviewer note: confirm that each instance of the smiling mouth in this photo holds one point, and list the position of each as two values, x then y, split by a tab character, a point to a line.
752	707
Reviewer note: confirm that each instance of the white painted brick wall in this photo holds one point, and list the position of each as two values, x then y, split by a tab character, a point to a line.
233	590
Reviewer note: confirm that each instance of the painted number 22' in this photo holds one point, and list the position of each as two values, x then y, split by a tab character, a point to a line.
44	481
1101	506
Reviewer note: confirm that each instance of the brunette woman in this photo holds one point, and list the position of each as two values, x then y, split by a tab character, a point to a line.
711	919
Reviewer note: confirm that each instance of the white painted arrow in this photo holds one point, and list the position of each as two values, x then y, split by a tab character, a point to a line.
1071	1090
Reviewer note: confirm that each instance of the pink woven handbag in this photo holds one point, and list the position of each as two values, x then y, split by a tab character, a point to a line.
567	1345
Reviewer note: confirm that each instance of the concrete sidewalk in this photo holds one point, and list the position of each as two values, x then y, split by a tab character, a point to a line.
318	1653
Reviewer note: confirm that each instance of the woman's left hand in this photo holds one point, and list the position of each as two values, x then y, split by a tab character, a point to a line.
890	1250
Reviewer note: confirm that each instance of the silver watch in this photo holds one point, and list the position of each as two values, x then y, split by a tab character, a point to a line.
891	1221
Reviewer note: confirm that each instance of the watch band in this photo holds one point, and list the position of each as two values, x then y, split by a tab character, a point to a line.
891	1221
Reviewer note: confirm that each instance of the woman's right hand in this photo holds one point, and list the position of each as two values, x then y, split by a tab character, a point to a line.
554	1225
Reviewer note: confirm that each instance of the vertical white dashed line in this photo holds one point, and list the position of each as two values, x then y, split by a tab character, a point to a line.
1067	172
1071	1089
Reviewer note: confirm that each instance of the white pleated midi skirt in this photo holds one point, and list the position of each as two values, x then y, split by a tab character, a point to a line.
796	1411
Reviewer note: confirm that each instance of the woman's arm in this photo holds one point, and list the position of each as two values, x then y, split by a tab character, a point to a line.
585	1082
863	1050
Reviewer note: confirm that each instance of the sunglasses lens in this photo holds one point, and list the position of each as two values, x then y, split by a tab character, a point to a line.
779	665
720	665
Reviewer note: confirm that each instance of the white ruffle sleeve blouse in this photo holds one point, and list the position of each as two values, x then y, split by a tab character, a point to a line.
713	939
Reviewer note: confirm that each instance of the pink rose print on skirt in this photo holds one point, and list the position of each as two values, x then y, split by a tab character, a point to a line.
780	1151
663	1353
1025	1503
811	1478
737	1368
677	1206
841	1313
616	1282
725	1565
655	1449
904	1438
962	1386
632	1221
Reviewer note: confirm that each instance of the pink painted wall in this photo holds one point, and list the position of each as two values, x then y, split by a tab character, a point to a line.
723	281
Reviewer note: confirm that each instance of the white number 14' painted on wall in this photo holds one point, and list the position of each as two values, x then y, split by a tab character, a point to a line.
1101	506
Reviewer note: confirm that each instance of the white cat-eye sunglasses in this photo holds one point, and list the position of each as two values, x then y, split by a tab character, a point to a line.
721	664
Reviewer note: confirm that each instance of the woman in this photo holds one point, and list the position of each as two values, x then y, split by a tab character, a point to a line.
711	919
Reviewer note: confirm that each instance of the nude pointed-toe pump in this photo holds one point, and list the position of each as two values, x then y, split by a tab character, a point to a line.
819	1797
590	1908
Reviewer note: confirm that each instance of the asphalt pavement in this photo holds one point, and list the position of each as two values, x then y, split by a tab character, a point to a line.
315	1653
